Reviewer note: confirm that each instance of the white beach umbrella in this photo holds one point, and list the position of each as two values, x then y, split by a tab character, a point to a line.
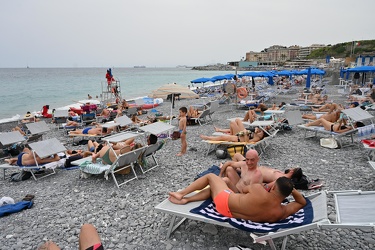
173	89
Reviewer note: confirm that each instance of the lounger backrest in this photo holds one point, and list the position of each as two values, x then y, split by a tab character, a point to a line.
357	114
131	111
151	149
294	117
37	127
127	158
11	138
123	120
214	106
205	113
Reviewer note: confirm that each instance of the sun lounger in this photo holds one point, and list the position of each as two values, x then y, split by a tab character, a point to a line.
122	162
318	211
157	128
202	118
43	149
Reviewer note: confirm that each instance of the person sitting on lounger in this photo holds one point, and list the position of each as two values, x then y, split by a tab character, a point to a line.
71	123
248	168
109	155
26	158
280	106
91	131
238	133
336	127
255	204
269	175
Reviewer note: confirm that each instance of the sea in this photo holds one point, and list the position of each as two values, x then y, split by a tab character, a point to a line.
29	89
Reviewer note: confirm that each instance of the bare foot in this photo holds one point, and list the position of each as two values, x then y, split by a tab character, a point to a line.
10	161
204	137
180	154
176	201
216	129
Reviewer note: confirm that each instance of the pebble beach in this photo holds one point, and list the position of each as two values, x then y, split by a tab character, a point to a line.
126	219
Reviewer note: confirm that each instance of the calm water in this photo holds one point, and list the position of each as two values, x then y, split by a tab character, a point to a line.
30	89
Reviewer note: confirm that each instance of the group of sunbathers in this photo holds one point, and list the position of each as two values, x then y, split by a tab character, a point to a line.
334	120
256	194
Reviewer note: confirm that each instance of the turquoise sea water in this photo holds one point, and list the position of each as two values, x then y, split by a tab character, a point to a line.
29	89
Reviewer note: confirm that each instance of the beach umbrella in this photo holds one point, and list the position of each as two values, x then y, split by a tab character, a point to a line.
173	89
201	80
218	78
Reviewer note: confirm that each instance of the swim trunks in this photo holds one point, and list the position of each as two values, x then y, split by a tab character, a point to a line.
97	246
19	160
85	131
106	158
332	128
92	149
221	201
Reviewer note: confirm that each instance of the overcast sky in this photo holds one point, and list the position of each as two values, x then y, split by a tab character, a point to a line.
124	33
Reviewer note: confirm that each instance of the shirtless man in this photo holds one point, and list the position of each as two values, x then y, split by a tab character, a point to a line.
269	175
249	172
255	204
26	158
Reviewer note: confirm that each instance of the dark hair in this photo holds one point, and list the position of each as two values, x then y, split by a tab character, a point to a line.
153	139
98	148
359	124
297	173
104	130
183	109
70	118
284	185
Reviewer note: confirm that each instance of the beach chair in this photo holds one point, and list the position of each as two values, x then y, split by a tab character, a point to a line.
37	129
59	117
88	118
150	152
354	209
318	204
202	118
353	115
43	149
124	161
214	106
9	141
131	111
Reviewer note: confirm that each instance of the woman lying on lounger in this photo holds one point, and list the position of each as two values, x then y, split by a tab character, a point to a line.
26	158
337	127
238	133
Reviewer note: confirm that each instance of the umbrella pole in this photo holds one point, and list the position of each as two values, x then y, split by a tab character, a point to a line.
172	107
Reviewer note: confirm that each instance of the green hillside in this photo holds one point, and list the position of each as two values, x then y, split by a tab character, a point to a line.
342	50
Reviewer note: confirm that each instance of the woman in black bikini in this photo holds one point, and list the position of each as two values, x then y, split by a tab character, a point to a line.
336	127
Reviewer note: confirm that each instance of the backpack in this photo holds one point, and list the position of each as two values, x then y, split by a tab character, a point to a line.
21	176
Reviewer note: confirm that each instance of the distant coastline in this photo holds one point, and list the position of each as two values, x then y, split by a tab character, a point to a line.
140	67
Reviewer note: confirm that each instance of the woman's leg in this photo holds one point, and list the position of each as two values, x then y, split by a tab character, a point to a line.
314	123
232	138
88	237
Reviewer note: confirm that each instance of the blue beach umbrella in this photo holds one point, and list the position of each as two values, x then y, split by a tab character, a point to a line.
218	78
201	80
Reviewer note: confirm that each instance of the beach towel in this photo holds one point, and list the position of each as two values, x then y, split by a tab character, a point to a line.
15	208
214	170
302	217
93	168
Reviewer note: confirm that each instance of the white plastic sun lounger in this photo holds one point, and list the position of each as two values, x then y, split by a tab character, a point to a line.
43	149
354	209
318	200
122	162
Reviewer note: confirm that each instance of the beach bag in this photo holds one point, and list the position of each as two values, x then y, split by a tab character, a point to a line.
176	135
21	176
236	149
328	142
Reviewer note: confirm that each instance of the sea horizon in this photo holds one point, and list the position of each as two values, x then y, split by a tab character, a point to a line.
29	89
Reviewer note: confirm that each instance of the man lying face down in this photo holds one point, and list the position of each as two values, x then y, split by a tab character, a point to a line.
255	203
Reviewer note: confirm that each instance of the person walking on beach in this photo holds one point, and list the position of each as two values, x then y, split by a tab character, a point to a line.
182	130
255	204
249	171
